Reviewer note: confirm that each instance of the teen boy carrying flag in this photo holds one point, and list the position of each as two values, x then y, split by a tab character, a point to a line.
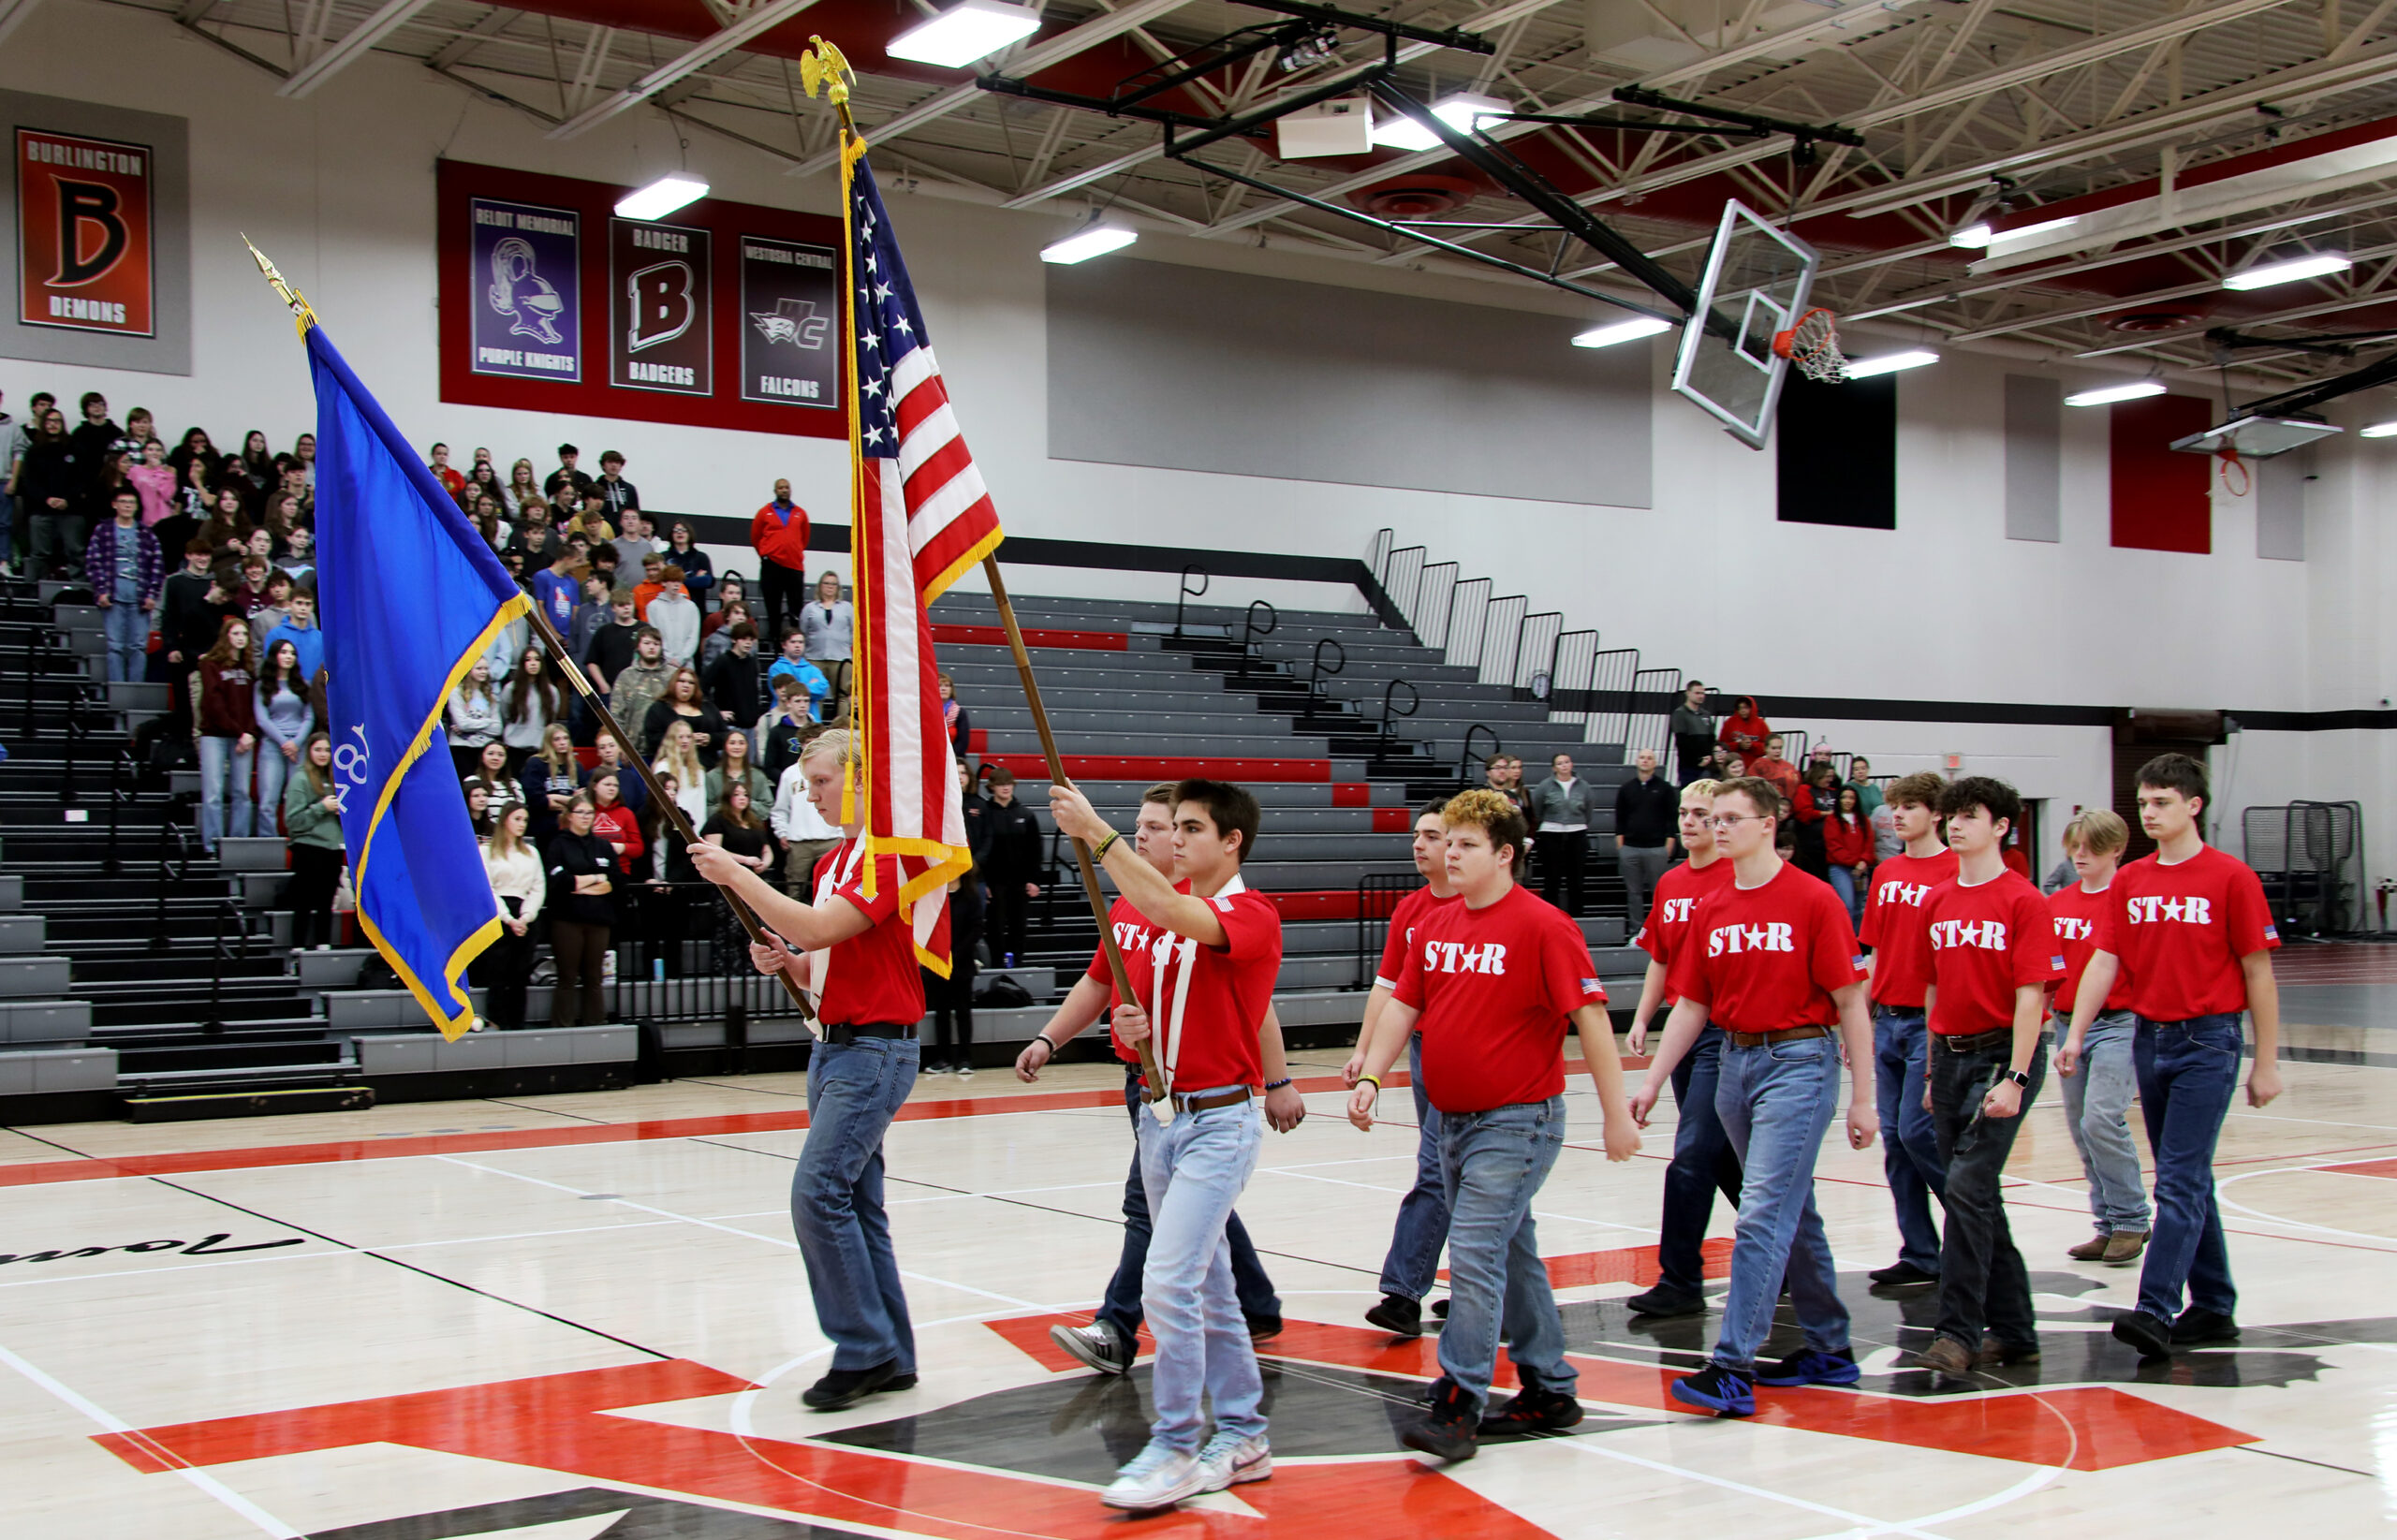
1773	961
1992	957
1490	982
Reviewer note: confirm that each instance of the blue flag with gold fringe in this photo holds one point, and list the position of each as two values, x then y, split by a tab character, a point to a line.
410	595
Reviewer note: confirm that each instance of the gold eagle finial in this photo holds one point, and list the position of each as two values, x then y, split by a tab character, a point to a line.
823	65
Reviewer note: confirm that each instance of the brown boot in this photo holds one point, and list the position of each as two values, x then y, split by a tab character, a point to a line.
1995	1354
2124	1246
1945	1356
2091	1250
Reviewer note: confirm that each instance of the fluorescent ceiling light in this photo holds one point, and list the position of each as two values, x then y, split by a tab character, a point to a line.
1889	363
662	196
1622	332
2320	264
965	32
2378	430
1083	246
1972	237
1464	112
2112	393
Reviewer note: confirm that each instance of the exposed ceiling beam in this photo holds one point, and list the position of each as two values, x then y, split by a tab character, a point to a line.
2133	301
2328	307
706	51
1065	45
494	20
355	45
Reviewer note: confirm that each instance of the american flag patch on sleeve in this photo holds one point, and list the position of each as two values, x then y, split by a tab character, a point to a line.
2272	932
1856	961
2056	962
1590	986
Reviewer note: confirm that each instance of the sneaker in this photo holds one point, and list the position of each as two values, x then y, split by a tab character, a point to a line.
1448	1431
964	1070
1532	1412
2091	1250
1398	1315
2124	1246
1996	1353
1724	1392
1440	1309
1261	1330
1158	1477
1808	1366
1666	1301
848	1387
1945	1356
897	1382
2151	1336
2203	1328
1232	1460
1095	1345
1902	1275
932	1066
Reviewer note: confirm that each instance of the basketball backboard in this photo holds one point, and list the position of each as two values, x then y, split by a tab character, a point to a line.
1756	283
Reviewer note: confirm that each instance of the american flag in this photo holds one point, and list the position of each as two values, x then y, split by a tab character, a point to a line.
923	519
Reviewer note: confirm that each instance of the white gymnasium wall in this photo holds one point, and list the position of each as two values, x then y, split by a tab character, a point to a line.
338	188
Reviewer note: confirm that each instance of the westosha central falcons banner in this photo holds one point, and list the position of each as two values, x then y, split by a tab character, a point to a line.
528	317
86	255
790	313
661	317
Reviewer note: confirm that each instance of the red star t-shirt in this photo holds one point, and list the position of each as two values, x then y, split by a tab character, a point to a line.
1986	941
1894	926
1495	986
2182	929
2086	925
1404	922
1206	1003
1678	894
1768	957
873	975
1135	934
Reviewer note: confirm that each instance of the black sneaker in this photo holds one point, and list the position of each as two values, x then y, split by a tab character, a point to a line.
1901	1275
2203	1328
1532	1412
1666	1301
1724	1392
1440	1309
2151	1336
1450	1430
848	1387
1262	1330
1398	1315
897	1382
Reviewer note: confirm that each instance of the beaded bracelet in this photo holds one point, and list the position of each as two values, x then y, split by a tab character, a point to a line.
1276	1085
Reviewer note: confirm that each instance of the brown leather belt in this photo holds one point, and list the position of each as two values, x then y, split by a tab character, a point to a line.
1766	1040
1978	1042
1208	1102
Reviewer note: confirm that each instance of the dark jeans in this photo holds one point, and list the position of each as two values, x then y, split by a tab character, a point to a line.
315	877
785	596
1983	1285
580	998
1005	921
1704	1163
1562	862
1122	1308
502	969
2187	1073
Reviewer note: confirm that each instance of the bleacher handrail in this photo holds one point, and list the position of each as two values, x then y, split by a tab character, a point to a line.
124	780
1315	670
1377	897
174	866
1188	593
1464	756
1250	631
1391	714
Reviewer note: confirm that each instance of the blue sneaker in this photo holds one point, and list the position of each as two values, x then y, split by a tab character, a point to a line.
1809	1367
1724	1392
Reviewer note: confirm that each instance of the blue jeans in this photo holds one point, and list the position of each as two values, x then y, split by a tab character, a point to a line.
128	632
1702	1163
1494	1164
224	780
1844	883
1909	1146
1121	1308
1194	1168
2097	1096
853	1092
1414	1259
1775	1103
275	773
2187	1072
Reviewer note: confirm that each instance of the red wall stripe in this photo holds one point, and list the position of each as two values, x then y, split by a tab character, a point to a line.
996	636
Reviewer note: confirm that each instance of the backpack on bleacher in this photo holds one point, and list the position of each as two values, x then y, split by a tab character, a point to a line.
1001	992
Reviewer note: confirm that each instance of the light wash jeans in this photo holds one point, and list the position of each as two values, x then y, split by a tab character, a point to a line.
1909	1145
2097	1100
1194	1168
128	631
1775	1102
853	1092
224	781
2188	1071
1494	1163
274	773
1412	1262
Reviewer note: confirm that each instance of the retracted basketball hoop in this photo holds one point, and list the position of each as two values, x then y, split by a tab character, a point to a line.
1812	345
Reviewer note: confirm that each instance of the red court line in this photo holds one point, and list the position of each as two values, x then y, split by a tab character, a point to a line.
2366	1169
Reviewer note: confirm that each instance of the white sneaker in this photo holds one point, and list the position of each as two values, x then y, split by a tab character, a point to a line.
1158	1477
1229	1459
965	1069
1095	1344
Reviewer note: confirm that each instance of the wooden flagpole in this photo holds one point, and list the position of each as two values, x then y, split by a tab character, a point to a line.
823	65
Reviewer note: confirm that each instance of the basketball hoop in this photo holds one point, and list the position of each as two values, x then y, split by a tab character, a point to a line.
1812	345
2236	479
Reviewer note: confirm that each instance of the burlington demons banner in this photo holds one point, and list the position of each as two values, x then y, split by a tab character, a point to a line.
85	257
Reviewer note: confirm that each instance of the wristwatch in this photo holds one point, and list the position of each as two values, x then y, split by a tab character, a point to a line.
2020	1077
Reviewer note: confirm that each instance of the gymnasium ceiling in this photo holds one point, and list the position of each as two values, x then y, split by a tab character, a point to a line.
2063	99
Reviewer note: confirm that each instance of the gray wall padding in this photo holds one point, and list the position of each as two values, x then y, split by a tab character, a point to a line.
2034	458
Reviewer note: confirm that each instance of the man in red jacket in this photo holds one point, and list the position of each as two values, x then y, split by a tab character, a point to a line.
779	534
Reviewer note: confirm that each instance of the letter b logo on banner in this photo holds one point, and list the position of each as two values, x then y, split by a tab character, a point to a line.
663	306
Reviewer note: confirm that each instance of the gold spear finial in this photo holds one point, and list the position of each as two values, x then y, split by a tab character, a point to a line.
301	311
824	66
